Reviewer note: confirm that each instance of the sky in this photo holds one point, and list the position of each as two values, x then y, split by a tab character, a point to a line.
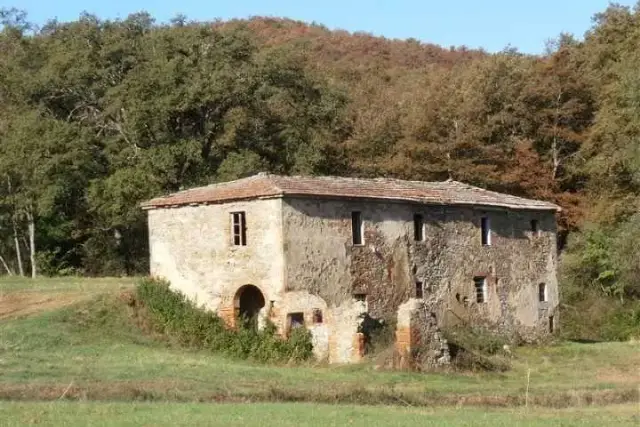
489	24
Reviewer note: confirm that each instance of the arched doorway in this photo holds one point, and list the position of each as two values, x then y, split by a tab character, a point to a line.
248	302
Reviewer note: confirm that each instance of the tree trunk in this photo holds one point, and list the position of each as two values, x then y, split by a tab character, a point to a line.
32	243
6	266
18	251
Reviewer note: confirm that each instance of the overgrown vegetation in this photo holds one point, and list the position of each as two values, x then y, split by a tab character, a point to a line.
171	313
478	349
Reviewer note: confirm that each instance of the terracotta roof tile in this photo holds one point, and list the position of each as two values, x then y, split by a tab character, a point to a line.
268	185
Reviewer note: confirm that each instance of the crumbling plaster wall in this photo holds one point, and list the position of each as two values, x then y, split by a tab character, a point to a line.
321	260
192	247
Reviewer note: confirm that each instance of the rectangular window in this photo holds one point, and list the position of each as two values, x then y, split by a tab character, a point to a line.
535	228
418	228
419	290
317	315
239	228
485	225
542	292
356	228
481	289
361	299
295	320
551	325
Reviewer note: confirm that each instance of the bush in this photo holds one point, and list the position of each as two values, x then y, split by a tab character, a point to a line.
171	314
477	349
379	334
592	316
604	258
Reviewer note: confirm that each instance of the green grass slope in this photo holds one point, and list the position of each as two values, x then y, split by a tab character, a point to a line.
92	350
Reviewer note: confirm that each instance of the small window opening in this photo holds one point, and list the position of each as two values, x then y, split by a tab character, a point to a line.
239	226
458	297
485	225
419	290
295	320
317	315
418	228
360	297
356	227
480	284
535	227
551	325
542	292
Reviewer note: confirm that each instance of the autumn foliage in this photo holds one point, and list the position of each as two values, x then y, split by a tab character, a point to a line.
96	116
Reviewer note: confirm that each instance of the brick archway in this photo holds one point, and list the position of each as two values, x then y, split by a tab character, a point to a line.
247	303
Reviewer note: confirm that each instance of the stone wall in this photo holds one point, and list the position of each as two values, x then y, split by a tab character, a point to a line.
192	247
300	254
321	260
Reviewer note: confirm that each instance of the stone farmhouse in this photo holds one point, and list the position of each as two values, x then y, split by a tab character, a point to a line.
323	252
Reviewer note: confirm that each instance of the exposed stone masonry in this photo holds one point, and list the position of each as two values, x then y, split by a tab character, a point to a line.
300	256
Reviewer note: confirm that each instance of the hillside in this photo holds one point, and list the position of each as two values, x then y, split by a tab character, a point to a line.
96	116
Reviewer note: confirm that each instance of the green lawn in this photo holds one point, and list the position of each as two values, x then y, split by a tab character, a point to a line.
63	284
302	415
45	356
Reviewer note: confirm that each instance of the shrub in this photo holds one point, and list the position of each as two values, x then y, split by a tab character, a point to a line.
379	334
595	317
171	314
476	349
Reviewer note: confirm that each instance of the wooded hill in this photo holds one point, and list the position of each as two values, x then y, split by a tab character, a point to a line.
96	116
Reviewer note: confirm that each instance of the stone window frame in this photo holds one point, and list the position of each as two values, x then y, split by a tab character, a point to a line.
317	316
480	287
238	228
362	299
418	227
543	292
419	294
357	228
534	227
298	317
485	230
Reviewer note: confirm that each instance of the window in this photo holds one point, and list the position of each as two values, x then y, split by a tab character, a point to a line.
239	228
419	290
542	292
356	228
481	289
551	325
317	316
535	228
485	225
360	297
295	320
418	228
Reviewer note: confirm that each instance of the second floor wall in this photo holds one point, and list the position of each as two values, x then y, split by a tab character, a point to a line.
388	252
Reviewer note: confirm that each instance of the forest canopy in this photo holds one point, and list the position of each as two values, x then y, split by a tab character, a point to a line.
97	115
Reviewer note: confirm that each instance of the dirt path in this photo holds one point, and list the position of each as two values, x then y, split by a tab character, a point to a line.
21	304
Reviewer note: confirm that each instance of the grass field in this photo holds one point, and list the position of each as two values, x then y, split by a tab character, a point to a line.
44	356
303	415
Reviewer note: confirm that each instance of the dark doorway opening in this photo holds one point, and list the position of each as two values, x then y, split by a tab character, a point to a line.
248	302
